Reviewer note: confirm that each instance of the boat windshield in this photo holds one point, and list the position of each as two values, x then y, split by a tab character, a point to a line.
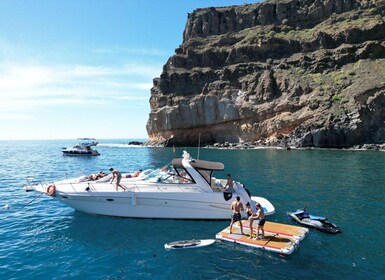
169	175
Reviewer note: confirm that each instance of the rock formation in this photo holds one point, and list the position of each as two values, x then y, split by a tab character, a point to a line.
303	73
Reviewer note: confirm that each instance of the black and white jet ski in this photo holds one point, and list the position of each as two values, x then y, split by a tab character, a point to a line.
303	217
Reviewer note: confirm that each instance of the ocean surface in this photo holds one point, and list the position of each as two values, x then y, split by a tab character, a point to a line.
40	238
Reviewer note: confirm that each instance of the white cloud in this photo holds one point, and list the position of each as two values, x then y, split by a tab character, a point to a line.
131	51
29	88
38	91
15	116
42	84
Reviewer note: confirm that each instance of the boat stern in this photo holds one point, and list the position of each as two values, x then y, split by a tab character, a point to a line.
267	206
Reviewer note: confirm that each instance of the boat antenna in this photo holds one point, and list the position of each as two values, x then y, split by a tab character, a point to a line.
199	144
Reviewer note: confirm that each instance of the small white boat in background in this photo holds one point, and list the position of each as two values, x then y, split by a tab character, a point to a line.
83	148
186	189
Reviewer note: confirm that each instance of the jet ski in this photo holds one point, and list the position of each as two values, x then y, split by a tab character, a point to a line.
303	217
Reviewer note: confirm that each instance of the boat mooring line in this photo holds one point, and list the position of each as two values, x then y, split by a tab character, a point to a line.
32	200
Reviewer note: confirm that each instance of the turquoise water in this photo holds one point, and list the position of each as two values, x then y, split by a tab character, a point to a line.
43	239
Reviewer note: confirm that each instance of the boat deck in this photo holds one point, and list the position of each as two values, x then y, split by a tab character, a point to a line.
279	238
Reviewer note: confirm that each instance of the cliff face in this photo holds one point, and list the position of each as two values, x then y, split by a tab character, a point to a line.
294	72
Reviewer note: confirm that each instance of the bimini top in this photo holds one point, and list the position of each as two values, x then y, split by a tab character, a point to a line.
200	164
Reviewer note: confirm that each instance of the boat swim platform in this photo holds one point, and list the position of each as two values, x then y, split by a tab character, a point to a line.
279	238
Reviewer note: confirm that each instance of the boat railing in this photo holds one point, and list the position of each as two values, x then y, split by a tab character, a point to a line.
91	186
182	188
74	187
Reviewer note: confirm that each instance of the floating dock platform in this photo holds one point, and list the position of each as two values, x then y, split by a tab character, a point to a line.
279	238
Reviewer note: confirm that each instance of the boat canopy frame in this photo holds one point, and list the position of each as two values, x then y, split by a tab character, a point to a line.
200	164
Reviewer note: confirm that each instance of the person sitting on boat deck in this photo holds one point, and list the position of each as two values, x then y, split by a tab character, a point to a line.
92	177
261	216
97	176
136	174
100	175
116	174
236	207
230	184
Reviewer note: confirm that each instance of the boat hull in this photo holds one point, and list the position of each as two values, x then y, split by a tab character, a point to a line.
186	190
159	206
81	154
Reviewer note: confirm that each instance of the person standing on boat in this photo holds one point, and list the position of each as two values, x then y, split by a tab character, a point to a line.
230	184
236	207
116	174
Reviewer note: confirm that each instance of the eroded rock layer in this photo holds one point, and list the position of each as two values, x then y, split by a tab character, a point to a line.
296	72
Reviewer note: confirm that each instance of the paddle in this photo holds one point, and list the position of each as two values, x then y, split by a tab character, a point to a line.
271	238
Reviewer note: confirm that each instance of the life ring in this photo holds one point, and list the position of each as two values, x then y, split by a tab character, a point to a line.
51	190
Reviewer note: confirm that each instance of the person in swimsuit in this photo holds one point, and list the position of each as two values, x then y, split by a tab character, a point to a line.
250	215
249	211
100	175
229	184
116	174
137	173
236	207
261	215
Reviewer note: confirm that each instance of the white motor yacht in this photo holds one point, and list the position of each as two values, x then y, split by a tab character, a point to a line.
184	190
83	148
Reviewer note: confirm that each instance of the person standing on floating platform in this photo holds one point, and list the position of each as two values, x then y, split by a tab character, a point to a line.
116	174
261	216
236	207
250	215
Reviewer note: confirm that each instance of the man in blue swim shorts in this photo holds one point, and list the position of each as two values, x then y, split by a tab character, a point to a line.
261	216
236	207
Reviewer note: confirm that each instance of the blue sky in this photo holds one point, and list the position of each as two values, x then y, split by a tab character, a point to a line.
71	69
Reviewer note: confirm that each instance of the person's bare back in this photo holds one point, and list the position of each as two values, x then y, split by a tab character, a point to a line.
237	206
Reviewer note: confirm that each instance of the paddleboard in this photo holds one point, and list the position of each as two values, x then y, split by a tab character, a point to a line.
186	244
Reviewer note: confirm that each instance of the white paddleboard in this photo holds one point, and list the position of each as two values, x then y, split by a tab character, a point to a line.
186	244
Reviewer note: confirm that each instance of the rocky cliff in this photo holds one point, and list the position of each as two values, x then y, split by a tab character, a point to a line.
304	73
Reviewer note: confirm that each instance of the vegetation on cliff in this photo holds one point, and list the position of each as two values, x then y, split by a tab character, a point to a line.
297	73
